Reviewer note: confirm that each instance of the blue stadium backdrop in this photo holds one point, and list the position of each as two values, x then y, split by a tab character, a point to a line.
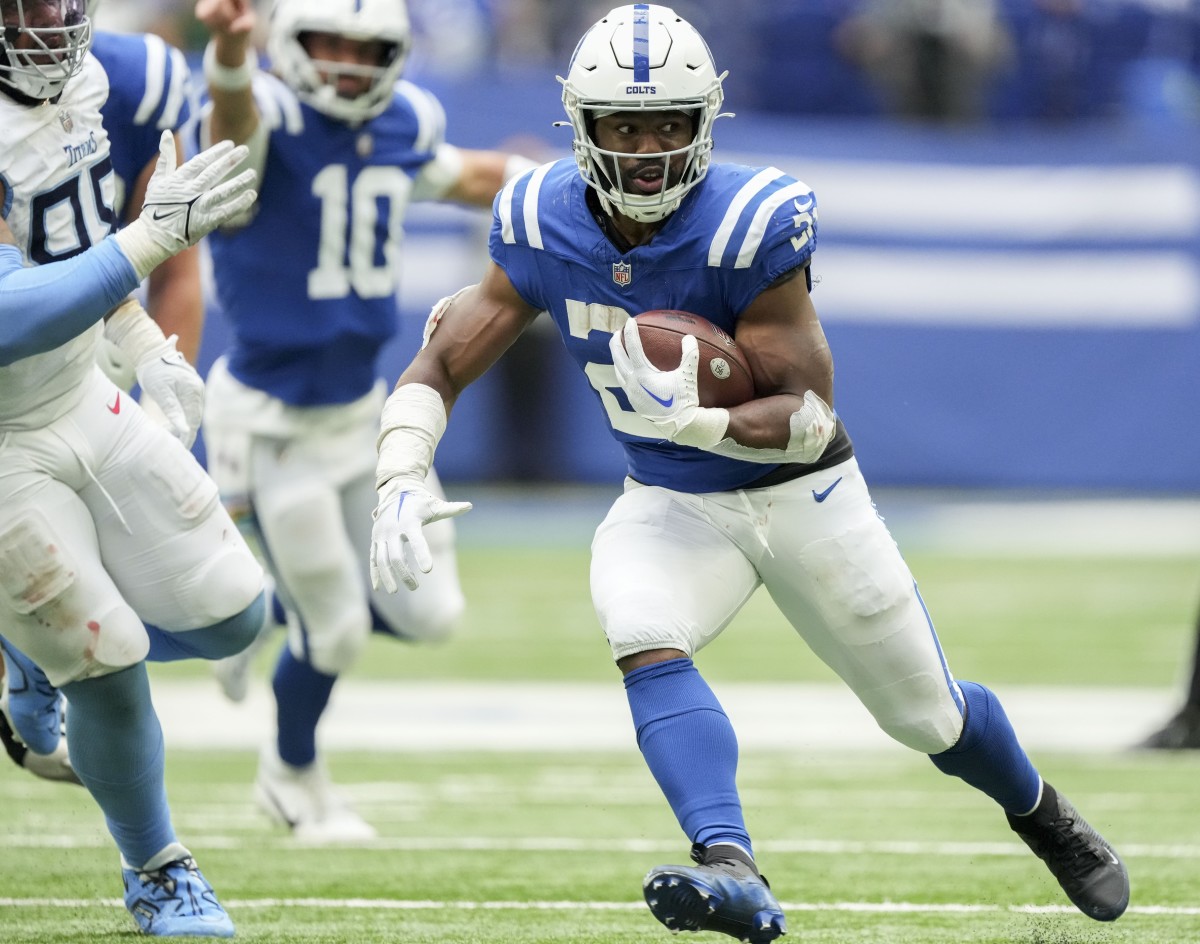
1010	308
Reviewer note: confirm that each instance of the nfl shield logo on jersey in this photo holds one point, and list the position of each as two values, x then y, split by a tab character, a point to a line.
622	273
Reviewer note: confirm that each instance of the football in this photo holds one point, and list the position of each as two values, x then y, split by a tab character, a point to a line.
724	375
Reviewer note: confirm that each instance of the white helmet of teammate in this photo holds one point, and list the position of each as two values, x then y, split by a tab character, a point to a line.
384	21
641	57
42	45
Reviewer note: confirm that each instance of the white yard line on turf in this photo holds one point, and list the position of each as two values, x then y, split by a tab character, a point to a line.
384	904
531	716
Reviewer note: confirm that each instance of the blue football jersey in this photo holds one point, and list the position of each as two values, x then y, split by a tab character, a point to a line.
309	285
148	93
731	237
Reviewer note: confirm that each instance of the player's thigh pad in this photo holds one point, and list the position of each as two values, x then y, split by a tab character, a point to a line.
430	613
837	575
59	605
171	547
665	573
309	551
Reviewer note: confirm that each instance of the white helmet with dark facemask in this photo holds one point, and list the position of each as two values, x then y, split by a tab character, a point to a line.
384	21
641	57
43	45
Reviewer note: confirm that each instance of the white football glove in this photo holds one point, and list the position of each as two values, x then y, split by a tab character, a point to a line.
184	203
172	383
670	399
397	537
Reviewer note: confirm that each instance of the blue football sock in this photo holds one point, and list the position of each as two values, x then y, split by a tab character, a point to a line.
226	638
987	755
301	694
690	747
116	748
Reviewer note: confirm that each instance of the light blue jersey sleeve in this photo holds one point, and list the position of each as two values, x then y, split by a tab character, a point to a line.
43	307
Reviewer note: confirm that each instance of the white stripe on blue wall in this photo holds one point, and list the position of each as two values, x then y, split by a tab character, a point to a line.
1108	204
1012	289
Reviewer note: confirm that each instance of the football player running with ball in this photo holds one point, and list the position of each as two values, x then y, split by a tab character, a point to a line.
718	501
106	519
308	284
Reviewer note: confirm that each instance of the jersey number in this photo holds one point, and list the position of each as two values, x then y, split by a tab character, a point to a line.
584	318
349	257
74	215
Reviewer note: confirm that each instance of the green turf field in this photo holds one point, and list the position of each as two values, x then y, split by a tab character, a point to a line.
521	848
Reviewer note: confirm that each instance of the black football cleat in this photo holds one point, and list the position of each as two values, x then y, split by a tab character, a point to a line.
724	892
1087	867
1181	733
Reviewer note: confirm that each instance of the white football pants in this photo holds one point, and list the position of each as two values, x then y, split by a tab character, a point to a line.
670	570
106	520
304	480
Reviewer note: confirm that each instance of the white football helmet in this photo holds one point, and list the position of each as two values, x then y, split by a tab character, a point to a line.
379	20
641	57
42	45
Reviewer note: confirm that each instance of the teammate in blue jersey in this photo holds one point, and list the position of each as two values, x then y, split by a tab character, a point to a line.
147	93
106	519
718	502
308	286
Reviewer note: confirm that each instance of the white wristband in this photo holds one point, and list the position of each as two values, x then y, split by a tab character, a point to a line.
132	330
228	78
412	423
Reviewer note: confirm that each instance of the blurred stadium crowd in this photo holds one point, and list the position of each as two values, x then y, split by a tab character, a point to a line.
952	60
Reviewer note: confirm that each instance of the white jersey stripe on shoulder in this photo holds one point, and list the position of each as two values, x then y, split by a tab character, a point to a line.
431	118
266	97
750	189
278	105
178	93
758	226
505	211
533	228
156	65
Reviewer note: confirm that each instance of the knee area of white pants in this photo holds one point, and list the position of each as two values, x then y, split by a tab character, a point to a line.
228	583
633	624
919	712
335	653
432	621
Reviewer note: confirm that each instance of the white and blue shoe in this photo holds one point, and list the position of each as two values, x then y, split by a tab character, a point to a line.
724	892
32	704
174	900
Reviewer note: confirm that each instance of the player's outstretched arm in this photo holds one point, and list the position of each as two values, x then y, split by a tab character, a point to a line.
184	203
464	335
230	63
43	307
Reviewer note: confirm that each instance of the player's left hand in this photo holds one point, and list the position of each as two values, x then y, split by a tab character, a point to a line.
397	537
172	383
670	399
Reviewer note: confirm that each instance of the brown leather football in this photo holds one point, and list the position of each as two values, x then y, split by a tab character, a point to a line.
724	375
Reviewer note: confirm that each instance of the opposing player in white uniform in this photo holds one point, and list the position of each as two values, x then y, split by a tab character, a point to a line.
106	520
718	502
308	286
147	93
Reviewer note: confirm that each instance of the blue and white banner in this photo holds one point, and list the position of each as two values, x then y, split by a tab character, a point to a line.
1011	309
